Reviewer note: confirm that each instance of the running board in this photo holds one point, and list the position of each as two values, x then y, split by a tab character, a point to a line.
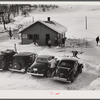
17	70
35	74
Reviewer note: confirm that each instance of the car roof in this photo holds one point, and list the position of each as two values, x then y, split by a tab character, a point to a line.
24	54
72	59
44	56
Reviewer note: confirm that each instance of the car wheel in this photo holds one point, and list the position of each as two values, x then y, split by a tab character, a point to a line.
49	73
72	77
81	69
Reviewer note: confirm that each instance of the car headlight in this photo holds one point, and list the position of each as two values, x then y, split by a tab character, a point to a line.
15	66
35	69
23	70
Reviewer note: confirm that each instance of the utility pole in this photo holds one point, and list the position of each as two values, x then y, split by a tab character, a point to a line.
15	47
86	22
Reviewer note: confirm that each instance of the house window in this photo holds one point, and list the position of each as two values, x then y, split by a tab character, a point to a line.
36	37
30	37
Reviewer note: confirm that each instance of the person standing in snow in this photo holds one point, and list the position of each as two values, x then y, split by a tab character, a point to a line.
49	43
53	64
63	41
56	41
10	33
60	42
97	40
75	53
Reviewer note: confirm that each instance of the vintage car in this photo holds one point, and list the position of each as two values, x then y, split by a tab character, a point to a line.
22	61
6	59
67	70
40	66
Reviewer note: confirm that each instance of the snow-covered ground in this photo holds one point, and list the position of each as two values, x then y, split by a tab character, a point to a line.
72	17
26	82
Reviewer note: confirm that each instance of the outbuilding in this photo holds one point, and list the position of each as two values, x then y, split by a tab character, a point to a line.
41	31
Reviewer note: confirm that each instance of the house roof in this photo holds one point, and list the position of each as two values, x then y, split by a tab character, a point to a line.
52	25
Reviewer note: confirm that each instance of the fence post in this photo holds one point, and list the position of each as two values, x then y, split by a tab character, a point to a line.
15	48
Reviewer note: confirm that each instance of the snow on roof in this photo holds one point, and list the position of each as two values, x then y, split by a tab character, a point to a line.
51	24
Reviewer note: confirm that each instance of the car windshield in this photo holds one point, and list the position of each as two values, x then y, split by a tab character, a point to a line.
66	63
41	60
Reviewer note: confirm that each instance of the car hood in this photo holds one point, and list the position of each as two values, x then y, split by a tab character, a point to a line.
63	72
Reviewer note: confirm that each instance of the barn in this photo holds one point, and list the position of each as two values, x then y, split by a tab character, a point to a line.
41	31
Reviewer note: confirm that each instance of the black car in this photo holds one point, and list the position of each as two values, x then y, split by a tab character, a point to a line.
67	70
40	66
6	59
22	61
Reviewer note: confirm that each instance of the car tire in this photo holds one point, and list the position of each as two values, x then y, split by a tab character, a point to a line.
72	77
81	69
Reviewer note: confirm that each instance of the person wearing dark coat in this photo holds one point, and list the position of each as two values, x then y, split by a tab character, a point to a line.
56	41
63	41
10	33
75	53
97	40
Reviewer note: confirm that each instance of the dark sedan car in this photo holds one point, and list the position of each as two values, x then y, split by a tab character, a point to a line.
22	61
67	70
40	67
6	59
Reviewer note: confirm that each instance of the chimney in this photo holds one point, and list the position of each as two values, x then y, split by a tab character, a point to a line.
48	18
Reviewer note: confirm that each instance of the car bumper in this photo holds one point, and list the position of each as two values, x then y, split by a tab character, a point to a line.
35	74
1	69
61	79
15	70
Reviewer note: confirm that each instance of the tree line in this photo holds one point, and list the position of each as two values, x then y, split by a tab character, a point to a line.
7	11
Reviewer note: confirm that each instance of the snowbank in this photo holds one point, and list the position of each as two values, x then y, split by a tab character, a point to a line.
74	19
19	81
95	85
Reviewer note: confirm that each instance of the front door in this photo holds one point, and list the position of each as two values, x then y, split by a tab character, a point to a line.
47	38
